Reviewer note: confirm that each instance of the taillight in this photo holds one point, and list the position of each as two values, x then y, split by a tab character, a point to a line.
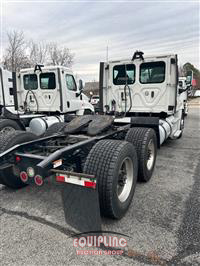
38	180
23	176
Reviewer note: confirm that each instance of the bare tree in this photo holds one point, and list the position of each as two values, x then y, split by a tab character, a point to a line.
15	57
60	55
21	53
38	52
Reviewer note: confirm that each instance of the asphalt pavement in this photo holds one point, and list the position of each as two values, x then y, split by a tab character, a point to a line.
163	221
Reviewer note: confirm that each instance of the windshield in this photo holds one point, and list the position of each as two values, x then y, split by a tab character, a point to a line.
30	82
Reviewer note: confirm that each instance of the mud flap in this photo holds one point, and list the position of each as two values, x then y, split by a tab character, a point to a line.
81	207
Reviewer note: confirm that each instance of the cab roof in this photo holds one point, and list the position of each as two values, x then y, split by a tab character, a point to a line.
46	68
148	57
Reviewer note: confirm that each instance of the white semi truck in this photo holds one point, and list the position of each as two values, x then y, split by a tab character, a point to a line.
97	159
36	98
144	89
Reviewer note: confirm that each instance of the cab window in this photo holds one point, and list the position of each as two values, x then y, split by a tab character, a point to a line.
47	81
124	74
70	82
153	72
30	82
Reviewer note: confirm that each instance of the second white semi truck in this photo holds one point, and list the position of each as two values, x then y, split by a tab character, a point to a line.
36	98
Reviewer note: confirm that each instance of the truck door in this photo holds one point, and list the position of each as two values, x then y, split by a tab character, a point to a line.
71	99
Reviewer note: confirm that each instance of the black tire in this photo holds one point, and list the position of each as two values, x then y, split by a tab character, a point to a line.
55	128
9	176
88	112
141	138
8	125
104	161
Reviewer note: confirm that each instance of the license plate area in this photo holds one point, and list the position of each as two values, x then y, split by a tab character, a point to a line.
80	179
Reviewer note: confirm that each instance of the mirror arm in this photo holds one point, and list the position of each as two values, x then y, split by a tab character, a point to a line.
79	93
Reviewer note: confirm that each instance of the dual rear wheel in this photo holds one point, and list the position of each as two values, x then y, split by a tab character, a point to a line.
118	165
145	142
114	163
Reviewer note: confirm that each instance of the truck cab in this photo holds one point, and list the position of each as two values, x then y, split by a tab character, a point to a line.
146	85
40	97
143	90
50	89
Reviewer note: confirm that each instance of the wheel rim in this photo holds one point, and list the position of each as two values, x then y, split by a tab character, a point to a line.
125	179
150	154
7	129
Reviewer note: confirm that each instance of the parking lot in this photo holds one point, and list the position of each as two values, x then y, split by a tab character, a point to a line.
163	221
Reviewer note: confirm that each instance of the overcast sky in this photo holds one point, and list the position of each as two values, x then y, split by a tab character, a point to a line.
87	28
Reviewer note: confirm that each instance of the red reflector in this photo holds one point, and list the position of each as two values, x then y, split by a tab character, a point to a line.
23	176
90	184
60	178
18	159
38	180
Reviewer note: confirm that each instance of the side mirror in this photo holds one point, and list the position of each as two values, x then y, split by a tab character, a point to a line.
80	85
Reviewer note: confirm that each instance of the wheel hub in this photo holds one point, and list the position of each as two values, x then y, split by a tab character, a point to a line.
150	154
125	179
122	179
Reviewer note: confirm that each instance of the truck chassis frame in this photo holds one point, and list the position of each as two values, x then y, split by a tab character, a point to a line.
63	155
